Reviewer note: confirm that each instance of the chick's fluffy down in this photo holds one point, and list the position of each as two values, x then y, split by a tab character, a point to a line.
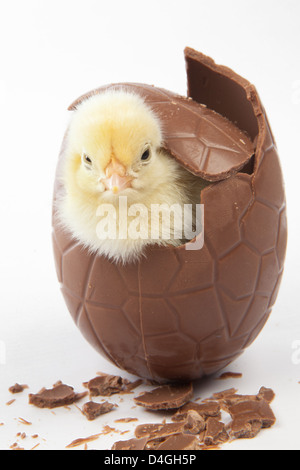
118	126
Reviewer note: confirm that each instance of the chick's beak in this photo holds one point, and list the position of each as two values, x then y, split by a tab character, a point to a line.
115	177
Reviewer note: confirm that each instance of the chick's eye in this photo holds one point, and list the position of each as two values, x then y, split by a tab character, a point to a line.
87	159
145	155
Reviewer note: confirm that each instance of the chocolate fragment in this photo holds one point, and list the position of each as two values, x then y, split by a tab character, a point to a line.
129	386
24	421
249	416
125	420
92	410
230	375
199	425
267	394
106	385
166	397
195	423
59	395
180	442
15	446
249	410
245	428
158	431
235	398
215	432
10	402
17	388
205	410
130	444
82	440
224	393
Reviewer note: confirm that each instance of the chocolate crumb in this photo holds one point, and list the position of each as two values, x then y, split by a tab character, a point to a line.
15	446
82	440
34	447
17	388
10	402
125	420
24	421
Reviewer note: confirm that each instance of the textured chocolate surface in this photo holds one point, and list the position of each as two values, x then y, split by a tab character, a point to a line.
105	385
180	314
92	410
203	141
215	432
166	397
130	444
59	395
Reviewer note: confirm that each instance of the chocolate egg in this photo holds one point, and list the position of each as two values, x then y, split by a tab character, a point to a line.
180	314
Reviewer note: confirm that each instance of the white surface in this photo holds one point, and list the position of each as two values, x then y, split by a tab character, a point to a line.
51	52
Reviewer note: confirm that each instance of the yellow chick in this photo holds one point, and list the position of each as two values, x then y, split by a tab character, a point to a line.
115	174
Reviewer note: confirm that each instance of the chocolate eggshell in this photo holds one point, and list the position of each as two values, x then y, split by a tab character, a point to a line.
177	314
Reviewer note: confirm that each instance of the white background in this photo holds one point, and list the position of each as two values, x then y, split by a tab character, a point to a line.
52	52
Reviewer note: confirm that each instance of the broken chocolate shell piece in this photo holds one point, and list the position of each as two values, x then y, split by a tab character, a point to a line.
105	385
130	444
166	397
215	432
179	442
59	395
92	410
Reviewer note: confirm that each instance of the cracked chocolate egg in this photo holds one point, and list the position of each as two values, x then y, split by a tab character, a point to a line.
180	314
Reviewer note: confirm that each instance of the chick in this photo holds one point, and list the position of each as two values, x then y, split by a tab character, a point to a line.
114	149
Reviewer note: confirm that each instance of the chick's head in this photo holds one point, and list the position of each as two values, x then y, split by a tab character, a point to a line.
113	141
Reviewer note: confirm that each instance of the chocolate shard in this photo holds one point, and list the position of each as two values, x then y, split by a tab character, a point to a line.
180	442
205	410
157	430
267	394
166	397
92	410
258	409
215	432
105	385
195	423
230	375
59	395
245	428
224	393
130	444
249	416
